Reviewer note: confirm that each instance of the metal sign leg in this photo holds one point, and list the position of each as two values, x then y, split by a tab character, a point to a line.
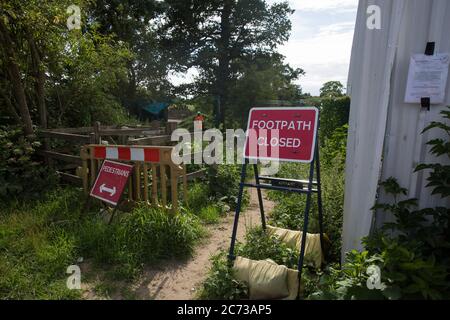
319	197
238	210
305	224
260	199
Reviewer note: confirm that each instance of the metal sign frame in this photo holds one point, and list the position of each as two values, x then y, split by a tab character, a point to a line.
276	183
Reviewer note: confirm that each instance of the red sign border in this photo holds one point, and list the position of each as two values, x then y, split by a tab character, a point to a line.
98	176
278	109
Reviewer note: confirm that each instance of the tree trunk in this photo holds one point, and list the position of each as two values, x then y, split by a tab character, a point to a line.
14	74
223	47
10	107
39	81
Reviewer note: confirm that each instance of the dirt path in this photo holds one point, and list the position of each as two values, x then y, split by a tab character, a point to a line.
175	280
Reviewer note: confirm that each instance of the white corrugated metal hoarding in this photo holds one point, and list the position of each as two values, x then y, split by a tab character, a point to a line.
384	132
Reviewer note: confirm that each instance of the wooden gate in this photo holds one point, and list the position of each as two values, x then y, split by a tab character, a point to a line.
154	172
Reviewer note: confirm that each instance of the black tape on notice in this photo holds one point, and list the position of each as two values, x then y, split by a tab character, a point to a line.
429	50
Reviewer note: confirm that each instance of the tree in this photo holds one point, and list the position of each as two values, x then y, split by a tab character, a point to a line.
263	77
44	65
132	22
332	89
216	36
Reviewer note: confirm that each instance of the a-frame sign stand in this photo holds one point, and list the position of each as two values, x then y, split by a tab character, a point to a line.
307	187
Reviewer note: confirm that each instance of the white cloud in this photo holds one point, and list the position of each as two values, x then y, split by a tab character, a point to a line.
324	54
322	5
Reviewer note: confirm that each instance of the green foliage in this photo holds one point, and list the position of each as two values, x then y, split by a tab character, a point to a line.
225	51
263	78
209	214
439	177
223	183
415	246
349	282
205	206
412	251
260	246
39	240
74	74
332	89
93	66
334	113
146	235
35	248
21	175
220	282
198	196
289	209
334	148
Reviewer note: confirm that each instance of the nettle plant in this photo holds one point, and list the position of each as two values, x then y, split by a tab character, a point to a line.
412	252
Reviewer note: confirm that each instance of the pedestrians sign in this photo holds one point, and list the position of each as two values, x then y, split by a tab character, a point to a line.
111	181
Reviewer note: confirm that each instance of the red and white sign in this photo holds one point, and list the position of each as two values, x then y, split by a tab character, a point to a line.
283	134
126	153
110	182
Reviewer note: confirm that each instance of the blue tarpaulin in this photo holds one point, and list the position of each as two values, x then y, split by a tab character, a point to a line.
156	107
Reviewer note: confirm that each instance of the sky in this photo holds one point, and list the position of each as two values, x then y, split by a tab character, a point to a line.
320	42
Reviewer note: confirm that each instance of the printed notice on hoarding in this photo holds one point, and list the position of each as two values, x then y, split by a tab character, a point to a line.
427	77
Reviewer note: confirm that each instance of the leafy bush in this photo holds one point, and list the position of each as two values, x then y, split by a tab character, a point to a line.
349	282
203	205
334	149
209	214
289	209
220	283
21	175
334	113
220	189
260	246
223	182
146	235
198	196
412	252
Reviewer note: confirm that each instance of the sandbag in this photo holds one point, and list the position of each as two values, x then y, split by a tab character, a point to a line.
313	251
266	279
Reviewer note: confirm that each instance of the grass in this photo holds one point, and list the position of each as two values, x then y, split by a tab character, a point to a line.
210	214
39	240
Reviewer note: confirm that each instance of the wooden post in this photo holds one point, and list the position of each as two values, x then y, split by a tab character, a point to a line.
137	181
93	171
97	137
163	185
84	171
154	185
170	127
173	188
145	173
184	184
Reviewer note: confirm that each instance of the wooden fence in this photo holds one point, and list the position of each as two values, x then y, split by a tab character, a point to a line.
80	168
72	139
152	177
